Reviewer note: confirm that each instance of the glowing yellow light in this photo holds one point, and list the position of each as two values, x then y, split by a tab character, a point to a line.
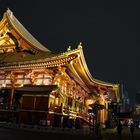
21	85
71	62
3	85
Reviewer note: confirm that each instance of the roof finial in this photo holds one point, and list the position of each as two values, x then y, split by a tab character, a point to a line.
5	13
69	48
9	12
8	9
80	45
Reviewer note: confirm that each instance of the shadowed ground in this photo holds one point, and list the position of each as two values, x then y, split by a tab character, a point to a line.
107	134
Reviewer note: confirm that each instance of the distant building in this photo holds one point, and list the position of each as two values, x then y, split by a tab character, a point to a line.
125	101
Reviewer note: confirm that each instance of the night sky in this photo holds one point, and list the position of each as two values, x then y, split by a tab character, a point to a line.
109	31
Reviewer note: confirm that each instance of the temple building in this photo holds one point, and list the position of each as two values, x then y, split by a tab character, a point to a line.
38	86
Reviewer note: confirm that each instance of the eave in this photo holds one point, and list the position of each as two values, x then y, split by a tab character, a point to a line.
50	62
80	70
76	66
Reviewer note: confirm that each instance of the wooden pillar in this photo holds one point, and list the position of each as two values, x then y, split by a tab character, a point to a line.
12	90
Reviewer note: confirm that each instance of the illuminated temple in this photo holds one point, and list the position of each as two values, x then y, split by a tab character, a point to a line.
38	86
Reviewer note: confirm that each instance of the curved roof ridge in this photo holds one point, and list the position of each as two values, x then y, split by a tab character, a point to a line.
23	31
94	80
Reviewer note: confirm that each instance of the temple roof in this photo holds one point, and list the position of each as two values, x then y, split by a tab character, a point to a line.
23	56
20	50
79	69
17	44
14	24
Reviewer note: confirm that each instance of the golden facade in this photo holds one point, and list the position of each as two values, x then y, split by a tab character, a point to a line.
38	86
